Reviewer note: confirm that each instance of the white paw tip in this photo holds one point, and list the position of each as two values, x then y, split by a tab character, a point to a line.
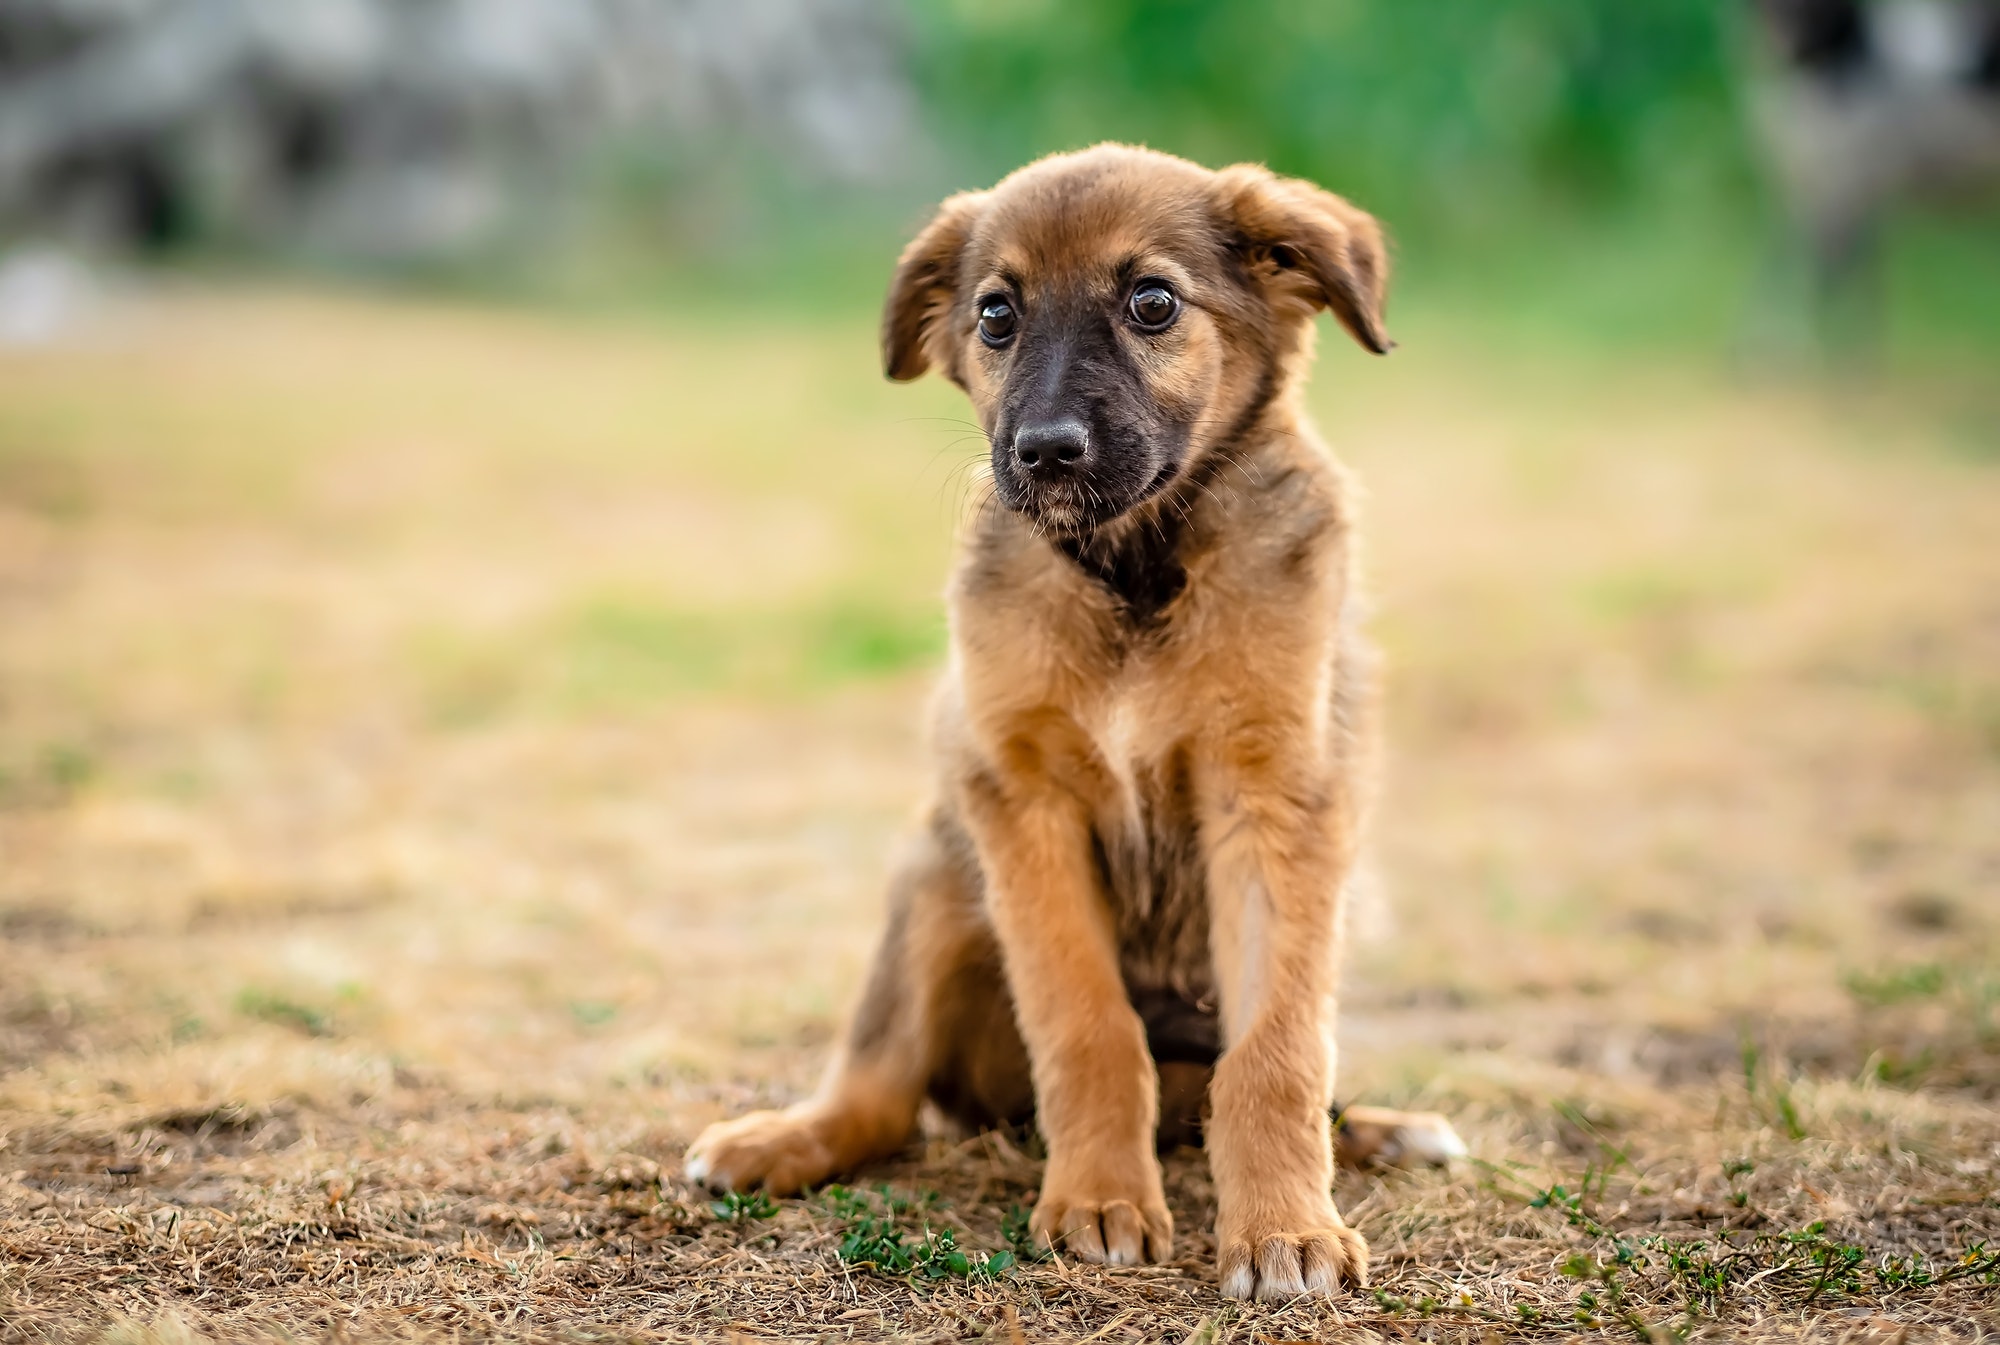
1238	1283
1437	1145
696	1168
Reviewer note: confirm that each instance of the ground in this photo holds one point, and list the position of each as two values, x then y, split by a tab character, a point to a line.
448	756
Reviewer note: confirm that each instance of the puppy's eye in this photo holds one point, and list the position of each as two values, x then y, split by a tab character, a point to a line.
997	322
1153	307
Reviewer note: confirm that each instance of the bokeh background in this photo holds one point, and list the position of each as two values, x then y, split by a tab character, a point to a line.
467	597
1640	170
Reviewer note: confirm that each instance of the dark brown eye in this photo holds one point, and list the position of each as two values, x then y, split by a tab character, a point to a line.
1154	307
997	321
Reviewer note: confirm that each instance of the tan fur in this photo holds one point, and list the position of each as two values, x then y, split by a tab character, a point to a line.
1133	807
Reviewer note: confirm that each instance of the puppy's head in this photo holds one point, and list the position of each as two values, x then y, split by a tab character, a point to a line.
1116	314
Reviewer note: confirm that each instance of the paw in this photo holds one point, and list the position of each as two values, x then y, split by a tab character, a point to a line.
1108	1230
1377	1136
1275	1260
775	1151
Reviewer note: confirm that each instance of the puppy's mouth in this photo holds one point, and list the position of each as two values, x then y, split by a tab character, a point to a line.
1076	505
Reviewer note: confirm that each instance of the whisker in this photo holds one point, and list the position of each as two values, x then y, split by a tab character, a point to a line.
959	480
944	420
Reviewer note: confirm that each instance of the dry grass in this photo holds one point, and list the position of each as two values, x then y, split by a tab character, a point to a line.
446	758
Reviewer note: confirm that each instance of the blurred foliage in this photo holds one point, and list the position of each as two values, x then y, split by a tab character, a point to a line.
1569	171
1563	170
1441	112
1564	167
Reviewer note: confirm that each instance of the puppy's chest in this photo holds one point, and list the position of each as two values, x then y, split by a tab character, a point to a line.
1148	849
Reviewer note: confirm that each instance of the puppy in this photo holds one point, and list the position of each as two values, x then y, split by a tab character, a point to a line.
1153	740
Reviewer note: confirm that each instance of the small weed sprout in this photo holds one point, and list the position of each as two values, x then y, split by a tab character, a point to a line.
1835	1264
740	1207
1759	1080
877	1236
1732	1169
1611	1299
1015	1227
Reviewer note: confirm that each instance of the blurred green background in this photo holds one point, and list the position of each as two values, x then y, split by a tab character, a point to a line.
1586	171
1580	171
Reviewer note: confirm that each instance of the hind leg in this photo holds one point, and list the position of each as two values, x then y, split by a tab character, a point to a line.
983	1078
912	1015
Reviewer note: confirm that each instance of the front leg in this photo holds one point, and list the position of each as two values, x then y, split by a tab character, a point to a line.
1095	1089
1279	846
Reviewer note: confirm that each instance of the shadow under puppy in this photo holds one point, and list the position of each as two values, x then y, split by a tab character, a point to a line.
1154	737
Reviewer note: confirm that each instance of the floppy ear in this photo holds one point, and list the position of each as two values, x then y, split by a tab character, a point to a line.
1311	247
922	293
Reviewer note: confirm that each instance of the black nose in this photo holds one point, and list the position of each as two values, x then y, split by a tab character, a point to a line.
1051	443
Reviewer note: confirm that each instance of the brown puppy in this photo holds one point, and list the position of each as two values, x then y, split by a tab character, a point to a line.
1153	740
